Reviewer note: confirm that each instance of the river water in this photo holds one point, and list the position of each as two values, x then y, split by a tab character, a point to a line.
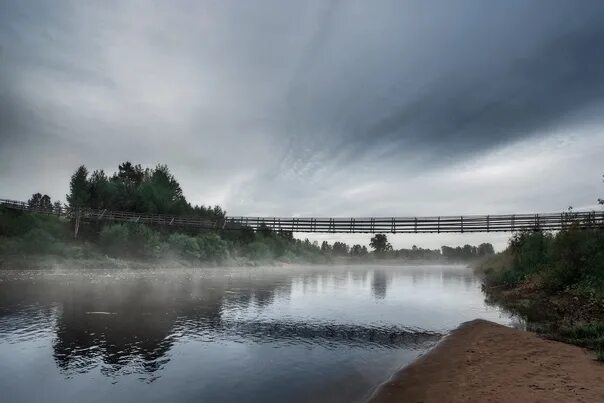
292	334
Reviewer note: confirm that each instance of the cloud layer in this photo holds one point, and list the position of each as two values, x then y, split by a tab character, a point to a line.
311	108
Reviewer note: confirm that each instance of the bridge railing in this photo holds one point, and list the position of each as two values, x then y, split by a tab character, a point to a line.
442	224
118	216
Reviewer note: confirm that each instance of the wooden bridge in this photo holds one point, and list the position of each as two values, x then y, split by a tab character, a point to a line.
395	225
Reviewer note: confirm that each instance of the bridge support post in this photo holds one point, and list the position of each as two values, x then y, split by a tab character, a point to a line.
76	226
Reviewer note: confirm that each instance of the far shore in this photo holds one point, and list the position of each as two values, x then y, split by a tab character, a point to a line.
485	362
46	262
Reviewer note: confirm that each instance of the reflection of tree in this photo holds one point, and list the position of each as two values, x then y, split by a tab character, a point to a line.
379	284
130	324
128	329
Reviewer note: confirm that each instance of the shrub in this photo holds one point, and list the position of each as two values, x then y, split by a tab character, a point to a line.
571	259
212	247
18	223
38	240
113	238
258	250
144	241
184	246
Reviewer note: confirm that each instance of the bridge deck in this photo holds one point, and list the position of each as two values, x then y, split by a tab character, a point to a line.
436	224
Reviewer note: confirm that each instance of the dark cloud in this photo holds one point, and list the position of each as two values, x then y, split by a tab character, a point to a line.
533	95
316	107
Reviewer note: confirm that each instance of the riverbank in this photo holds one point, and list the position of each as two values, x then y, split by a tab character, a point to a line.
482	361
51	262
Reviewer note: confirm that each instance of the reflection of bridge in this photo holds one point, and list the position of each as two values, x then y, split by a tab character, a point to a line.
436	224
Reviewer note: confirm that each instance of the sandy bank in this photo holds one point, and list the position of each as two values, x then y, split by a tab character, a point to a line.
485	362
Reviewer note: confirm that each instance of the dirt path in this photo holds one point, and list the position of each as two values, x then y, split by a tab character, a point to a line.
485	362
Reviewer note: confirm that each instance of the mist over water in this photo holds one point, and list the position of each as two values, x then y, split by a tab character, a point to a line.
299	333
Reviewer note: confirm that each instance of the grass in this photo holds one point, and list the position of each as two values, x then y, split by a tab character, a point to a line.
588	335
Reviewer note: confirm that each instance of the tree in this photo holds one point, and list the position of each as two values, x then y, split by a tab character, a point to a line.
79	191
46	203
57	206
40	202
159	191
380	243
130	175
35	200
340	249
100	190
358	250
485	249
325	247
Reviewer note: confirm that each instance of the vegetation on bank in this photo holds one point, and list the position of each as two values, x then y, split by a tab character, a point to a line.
556	281
27	234
156	191
568	261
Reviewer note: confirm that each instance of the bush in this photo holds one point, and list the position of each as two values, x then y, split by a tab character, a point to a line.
184	246
39	240
258	250
113	239
144	241
572	259
212	247
15	223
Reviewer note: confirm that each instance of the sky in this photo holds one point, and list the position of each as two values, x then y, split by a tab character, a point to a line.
313	108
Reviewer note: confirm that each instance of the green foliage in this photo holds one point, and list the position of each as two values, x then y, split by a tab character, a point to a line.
133	188
258	251
467	252
40	202
590	335
79	192
17	223
144	241
38	240
213	247
184	246
114	238
380	243
571	260
359	251
340	249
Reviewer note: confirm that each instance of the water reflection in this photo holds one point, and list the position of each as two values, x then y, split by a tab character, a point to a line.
129	323
379	284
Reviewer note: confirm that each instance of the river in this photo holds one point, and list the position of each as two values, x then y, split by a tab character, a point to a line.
278	334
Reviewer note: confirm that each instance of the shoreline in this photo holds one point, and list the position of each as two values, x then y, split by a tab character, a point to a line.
51	261
483	361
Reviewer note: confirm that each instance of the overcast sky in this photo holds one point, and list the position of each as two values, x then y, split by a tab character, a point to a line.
313	108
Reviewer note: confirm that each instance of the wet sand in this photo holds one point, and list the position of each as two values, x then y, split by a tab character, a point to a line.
485	362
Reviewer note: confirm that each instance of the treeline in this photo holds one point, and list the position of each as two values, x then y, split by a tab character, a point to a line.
558	275
468	252
25	234
135	189
382	249
156	191
148	191
569	260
